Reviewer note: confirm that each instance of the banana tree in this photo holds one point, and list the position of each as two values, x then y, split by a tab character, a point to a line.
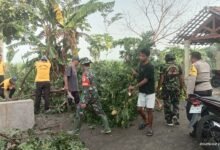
75	24
61	23
55	28
13	18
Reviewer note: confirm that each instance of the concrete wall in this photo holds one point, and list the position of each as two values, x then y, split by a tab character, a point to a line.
17	115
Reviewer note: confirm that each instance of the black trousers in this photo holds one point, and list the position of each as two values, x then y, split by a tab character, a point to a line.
75	94
42	89
2	78
11	92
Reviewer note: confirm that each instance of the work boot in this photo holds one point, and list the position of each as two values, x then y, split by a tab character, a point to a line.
169	123
48	111
175	120
107	129
77	123
73	132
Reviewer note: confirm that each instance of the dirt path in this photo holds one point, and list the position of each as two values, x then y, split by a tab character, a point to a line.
165	138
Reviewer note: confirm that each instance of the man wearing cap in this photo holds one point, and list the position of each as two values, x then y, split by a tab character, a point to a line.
171	81
89	97
8	88
2	69
71	80
42	83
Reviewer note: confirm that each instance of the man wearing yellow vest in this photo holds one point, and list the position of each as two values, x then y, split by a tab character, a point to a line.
2	69
42	84
8	88
198	81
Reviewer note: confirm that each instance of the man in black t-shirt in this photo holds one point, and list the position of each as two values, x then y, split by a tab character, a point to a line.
146	86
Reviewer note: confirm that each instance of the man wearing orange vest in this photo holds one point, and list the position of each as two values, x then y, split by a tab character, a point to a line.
2	69
42	83
8	88
89	97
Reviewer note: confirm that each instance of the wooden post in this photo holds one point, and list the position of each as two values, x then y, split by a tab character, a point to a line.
1	46
217	57
186	57
1	42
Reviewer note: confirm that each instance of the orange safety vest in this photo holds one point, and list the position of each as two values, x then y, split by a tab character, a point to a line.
85	80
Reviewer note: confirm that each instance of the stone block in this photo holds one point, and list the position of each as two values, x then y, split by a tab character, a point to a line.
17	115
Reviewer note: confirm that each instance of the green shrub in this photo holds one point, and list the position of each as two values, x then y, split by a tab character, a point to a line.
113	79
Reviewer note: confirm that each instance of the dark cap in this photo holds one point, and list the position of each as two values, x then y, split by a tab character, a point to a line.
13	80
169	57
75	58
85	60
44	58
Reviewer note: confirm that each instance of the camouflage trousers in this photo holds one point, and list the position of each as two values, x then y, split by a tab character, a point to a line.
171	104
92	100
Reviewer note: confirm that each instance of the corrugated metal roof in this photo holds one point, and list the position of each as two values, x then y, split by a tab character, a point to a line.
194	27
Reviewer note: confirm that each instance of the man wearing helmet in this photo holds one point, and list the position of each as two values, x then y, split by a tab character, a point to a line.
42	83
89	97
8	88
171	81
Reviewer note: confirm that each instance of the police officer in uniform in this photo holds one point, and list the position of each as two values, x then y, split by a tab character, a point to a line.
89	97
198	81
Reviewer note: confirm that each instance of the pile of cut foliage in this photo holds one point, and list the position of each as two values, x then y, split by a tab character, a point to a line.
32	141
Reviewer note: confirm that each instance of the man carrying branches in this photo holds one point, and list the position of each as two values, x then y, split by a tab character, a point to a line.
71	81
146	86
90	98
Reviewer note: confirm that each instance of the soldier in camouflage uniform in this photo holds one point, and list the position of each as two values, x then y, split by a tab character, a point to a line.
89	97
171	81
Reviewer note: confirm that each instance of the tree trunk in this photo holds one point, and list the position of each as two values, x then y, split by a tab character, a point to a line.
1	42
73	45
1	45
186	58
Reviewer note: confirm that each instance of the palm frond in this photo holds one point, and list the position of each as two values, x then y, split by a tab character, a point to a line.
16	45
86	9
29	53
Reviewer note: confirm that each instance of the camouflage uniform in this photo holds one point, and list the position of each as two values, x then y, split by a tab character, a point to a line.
90	97
171	90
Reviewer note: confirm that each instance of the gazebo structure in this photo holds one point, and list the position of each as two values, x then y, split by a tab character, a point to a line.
203	29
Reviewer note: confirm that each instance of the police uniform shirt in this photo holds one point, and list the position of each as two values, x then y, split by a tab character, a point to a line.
199	77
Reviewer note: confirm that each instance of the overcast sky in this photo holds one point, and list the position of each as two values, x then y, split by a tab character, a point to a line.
119	29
